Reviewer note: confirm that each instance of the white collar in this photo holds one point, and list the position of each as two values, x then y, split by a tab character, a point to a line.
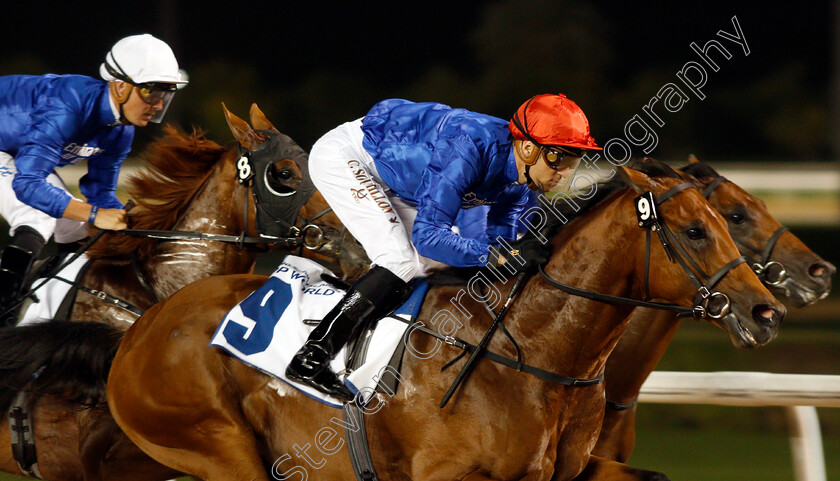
114	109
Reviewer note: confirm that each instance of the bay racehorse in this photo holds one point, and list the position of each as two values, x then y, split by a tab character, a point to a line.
785	265
190	185
195	409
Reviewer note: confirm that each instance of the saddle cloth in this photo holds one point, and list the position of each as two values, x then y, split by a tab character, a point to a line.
266	329
51	294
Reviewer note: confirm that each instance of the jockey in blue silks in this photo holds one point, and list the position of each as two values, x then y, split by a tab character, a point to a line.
50	121
397	179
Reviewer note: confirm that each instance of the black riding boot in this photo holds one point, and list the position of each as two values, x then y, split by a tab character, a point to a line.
15	263
375	294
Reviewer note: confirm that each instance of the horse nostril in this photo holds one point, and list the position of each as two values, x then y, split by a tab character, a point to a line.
764	314
817	270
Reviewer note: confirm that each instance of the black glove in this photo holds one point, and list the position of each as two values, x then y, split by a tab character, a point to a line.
523	255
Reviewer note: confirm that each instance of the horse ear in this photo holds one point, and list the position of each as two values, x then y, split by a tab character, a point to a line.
259	121
692	159
635	179
242	132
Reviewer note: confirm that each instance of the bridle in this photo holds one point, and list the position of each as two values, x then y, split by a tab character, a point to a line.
771	273
277	213
646	205
649	220
308	235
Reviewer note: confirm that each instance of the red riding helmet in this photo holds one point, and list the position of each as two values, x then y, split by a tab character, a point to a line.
549	119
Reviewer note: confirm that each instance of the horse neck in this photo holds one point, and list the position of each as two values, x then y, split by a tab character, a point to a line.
599	252
642	345
216	208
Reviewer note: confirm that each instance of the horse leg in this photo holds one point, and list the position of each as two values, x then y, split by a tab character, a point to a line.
194	423
600	469
106	451
618	435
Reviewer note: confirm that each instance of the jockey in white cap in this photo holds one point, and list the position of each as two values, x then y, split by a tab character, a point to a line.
50	121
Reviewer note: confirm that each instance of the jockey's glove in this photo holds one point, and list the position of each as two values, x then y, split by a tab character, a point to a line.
518	256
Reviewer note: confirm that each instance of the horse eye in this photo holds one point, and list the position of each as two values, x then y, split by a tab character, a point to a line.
285	175
737	219
696	233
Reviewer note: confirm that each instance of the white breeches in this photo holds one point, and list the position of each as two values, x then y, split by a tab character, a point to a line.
346	176
17	213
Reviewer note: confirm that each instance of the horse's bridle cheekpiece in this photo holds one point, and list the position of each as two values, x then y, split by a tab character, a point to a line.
772	273
646	213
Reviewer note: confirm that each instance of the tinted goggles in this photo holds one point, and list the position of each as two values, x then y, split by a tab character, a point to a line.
154	93
559	158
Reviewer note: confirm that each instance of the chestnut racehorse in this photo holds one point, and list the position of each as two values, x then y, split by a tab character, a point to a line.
201	412
806	278
191	184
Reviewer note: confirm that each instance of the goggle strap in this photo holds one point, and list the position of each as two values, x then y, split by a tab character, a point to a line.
119	74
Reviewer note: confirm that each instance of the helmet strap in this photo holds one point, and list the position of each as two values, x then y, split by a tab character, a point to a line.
528	180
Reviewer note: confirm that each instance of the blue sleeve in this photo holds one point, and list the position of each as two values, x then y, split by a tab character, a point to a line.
99	185
39	156
450	173
503	218
472	223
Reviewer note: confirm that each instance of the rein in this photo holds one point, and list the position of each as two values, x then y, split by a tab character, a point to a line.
675	251
295	238
503	360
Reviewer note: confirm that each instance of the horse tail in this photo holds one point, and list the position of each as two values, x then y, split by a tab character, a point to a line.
69	360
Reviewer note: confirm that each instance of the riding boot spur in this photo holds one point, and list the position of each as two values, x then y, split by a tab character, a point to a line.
375	294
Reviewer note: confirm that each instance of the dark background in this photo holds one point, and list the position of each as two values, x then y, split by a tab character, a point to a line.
312	65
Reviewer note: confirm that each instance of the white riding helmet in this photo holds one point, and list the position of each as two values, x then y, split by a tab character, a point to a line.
146	62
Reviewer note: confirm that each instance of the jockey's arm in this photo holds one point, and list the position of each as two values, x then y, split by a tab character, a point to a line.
439	195
39	157
503	217
108	219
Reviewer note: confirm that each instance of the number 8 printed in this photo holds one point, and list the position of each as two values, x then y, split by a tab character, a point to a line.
244	168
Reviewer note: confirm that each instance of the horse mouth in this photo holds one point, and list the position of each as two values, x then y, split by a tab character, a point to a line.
740	336
755	332
798	294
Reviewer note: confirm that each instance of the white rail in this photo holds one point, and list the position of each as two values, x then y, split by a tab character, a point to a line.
800	394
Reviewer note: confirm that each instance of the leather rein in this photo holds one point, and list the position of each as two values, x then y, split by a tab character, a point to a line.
676	252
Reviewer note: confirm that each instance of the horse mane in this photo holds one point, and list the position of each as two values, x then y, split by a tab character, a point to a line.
177	165
700	170
71	359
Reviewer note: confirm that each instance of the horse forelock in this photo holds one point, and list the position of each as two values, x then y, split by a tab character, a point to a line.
700	170
176	166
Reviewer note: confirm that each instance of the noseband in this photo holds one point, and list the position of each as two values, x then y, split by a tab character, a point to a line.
771	273
646	211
